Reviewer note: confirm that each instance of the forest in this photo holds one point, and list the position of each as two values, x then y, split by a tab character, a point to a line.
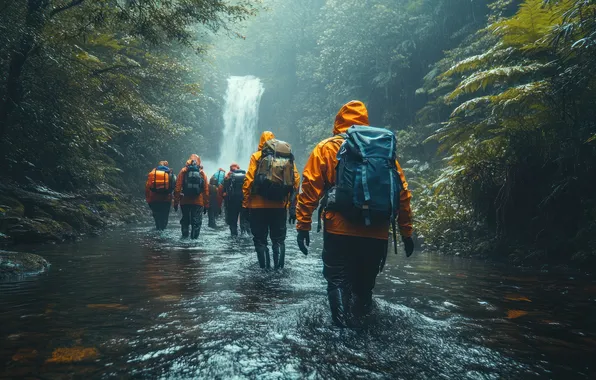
492	101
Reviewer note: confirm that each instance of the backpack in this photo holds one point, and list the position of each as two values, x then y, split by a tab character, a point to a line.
367	186
161	180
194	183
235	183
274	178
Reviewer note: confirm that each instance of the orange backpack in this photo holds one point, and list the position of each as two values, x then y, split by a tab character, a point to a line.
161	181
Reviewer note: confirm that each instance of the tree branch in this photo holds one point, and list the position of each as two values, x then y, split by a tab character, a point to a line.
66	7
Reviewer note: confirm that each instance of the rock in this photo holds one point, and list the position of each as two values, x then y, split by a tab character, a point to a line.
20	263
36	230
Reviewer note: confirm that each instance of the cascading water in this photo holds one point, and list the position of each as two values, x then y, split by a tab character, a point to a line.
241	116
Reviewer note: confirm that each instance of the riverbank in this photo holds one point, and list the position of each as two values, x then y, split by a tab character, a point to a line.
35	214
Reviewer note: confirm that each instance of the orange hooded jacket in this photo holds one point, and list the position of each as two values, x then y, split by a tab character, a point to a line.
319	175
255	200
201	199
222	187
151	196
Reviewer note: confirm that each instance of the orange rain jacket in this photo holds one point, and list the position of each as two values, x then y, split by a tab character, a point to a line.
151	196
319	175
201	199
255	200
222	189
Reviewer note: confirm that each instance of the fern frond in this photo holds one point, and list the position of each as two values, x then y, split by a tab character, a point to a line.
499	75
496	53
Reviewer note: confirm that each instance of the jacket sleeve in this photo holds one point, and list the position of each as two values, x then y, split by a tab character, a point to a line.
205	191
248	180
313	187
178	189
404	220
148	188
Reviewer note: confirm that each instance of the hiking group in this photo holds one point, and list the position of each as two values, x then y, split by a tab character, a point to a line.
353	178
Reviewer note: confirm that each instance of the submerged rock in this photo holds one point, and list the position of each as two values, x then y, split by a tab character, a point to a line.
21	263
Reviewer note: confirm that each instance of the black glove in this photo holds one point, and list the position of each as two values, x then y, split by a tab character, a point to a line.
205	210
303	241
408	245
292	218
175	208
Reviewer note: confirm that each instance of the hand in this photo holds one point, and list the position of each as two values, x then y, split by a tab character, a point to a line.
245	213
292	218
175	208
205	210
408	245
303	241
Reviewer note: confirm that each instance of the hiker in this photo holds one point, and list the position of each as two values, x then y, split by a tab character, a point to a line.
360	200
234	196
271	180
192	194
215	196
160	184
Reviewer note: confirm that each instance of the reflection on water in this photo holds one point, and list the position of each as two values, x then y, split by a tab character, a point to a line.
139	303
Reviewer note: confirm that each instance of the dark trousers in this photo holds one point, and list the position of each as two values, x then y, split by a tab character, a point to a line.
233	213
351	266
214	209
264	222
161	213
192	219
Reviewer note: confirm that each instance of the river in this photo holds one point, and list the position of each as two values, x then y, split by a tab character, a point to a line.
137	303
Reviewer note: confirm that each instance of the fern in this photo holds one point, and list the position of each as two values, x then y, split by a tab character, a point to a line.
499	75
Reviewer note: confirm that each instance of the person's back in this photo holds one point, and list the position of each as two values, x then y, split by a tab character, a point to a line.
267	216
353	252
192	194
215	196
160	184
234	197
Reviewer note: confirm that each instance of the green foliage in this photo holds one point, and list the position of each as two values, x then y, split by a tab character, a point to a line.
99	91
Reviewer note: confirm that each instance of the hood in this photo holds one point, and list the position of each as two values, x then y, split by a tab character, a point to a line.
234	166
195	158
352	113
265	136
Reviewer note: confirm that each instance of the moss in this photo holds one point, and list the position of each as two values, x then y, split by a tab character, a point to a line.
11	206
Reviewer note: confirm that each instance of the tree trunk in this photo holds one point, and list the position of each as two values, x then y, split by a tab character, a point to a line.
13	95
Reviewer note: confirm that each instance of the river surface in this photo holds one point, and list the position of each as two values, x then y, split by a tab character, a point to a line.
135	303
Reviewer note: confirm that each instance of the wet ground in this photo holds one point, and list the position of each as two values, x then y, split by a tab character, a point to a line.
137	303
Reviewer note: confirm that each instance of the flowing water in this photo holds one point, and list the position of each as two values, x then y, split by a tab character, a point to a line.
241	117
137	303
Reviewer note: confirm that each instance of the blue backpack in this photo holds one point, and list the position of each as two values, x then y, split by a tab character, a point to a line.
367	186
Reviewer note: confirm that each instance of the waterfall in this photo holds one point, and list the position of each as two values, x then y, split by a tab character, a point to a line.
241	116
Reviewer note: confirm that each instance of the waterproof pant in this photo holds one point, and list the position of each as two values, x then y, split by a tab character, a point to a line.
161	213
192	219
232	213
269	221
213	213
351	266
214	209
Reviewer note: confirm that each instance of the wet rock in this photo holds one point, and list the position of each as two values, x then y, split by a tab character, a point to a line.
20	263
35	230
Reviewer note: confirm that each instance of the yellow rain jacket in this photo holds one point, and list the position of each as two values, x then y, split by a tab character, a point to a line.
319	175
255	200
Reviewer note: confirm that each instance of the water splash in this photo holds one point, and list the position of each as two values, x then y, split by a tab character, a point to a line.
241	116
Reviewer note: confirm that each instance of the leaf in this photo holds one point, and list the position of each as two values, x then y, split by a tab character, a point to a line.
517	297
513	314
72	354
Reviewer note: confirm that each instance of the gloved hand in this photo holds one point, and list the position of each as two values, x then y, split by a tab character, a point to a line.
175	208
408	245
205	210
292	218
303	241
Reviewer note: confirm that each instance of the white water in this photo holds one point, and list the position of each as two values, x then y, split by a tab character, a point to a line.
241	116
